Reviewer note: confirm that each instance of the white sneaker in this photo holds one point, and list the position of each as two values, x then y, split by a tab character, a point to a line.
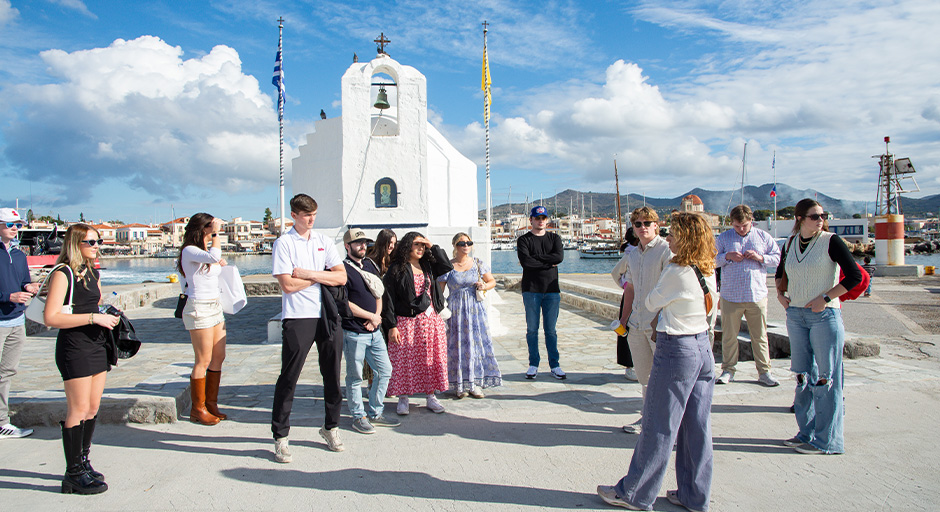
403	406
434	405
532	372
630	374
725	378
331	436
767	380
10	431
282	451
634	428
558	373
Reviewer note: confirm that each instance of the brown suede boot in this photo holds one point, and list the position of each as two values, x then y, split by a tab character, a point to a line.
212	393
198	413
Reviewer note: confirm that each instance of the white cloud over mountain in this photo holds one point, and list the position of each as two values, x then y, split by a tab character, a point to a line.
138	112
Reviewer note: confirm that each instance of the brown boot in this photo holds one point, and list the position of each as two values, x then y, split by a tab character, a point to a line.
198	413
212	393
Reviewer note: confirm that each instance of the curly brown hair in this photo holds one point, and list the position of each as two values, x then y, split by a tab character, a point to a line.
693	242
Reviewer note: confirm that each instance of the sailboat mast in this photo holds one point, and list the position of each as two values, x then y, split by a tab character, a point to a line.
619	218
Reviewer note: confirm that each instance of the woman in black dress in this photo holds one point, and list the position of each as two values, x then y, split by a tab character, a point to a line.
82	352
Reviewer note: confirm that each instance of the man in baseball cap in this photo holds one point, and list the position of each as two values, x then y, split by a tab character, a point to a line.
15	292
540	253
355	235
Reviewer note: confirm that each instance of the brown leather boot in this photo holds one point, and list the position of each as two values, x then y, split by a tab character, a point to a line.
212	393
198	413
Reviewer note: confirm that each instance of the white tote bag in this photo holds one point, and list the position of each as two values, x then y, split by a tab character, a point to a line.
231	290
37	307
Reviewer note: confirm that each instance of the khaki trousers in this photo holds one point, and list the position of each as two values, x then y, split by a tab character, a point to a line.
641	348
756	315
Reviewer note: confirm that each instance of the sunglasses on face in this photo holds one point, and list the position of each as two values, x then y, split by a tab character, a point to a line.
92	243
817	216
18	225
641	223
464	244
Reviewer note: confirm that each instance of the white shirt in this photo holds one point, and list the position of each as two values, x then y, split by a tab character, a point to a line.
202	283
643	270
679	296
294	251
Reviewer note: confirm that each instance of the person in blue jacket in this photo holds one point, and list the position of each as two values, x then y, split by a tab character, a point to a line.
15	292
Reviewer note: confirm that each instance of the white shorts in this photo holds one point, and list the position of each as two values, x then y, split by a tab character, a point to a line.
202	314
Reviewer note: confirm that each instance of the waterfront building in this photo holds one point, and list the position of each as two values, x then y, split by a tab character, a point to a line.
174	230
388	167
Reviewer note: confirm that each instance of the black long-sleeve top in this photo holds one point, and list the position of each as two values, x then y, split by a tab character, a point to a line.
400	298
838	252
540	257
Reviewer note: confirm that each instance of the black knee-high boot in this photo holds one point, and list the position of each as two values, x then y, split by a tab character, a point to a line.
76	479
87	433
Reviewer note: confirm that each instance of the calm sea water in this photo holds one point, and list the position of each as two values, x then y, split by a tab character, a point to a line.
126	271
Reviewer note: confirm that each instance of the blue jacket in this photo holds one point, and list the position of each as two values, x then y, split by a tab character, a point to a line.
14	275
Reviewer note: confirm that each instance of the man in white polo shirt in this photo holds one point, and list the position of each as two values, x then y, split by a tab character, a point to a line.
303	260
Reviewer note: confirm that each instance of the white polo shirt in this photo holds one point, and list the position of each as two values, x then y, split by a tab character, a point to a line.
293	251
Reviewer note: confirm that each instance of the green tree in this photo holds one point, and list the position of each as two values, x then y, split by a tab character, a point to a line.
29	215
856	215
786	213
760	215
267	215
81	216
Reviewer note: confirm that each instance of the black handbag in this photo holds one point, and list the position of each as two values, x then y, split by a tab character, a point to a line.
180	304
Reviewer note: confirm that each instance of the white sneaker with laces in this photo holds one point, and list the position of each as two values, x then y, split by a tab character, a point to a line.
282	451
725	378
630	374
434	405
532	372
11	431
634	428
558	373
331	436
768	380
403	406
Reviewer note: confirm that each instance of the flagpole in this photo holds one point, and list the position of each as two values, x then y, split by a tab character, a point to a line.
774	216
486	121
279	77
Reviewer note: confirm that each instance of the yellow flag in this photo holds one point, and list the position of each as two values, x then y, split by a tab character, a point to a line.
486	82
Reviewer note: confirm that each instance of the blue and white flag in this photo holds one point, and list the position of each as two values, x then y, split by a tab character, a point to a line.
278	81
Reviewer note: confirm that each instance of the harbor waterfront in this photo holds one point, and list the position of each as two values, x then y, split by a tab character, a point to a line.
540	444
138	270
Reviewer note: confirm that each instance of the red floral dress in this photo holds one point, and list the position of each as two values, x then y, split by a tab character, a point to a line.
419	360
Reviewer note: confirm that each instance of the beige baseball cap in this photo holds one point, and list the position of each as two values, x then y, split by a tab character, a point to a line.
355	234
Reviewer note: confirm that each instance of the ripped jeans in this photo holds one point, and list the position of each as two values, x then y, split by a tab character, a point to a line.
816	342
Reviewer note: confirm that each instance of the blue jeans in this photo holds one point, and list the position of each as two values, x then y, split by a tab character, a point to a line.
547	304
677	410
368	347
816	342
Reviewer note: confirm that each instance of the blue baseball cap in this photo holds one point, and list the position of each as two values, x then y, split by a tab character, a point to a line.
538	211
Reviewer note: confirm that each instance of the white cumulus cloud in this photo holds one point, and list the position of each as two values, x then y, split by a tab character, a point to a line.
7	12
137	111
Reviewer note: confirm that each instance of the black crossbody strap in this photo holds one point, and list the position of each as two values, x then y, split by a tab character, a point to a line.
701	279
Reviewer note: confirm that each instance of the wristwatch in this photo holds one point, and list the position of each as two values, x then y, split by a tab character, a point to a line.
214	235
827	298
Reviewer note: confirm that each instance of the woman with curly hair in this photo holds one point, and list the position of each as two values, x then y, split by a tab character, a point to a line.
417	340
83	354
682	380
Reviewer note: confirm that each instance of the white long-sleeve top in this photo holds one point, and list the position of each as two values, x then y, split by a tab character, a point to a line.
203	284
680	301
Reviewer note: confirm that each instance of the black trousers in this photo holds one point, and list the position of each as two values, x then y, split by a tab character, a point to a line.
299	335
624	357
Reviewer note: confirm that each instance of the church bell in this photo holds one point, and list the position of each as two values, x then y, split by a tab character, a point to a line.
381	99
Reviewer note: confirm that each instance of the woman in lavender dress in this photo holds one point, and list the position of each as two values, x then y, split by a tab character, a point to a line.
471	364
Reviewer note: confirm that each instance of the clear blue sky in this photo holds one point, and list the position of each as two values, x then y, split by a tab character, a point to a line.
119	110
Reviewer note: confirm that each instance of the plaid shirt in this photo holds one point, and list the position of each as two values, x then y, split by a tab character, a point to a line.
746	281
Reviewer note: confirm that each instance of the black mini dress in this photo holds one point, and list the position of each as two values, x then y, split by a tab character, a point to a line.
82	351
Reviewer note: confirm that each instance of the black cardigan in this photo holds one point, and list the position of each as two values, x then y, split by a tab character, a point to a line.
400	299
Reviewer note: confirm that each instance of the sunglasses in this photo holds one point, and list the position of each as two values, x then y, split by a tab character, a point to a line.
18	225
464	244
641	223
817	216
92	243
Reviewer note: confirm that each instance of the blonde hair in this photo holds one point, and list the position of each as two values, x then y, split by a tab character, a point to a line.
71	253
457	237
693	242
644	213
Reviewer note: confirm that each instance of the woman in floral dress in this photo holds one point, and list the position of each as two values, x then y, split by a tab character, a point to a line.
471	363
417	343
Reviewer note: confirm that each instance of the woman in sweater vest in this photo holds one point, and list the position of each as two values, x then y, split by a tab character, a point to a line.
808	287
678	402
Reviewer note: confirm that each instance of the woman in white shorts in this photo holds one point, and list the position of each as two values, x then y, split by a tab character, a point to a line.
202	315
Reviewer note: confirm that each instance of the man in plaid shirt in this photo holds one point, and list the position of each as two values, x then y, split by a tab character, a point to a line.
744	255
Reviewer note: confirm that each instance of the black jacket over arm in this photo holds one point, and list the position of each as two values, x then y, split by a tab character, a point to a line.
400	298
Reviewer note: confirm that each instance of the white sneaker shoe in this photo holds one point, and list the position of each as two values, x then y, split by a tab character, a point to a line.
434	405
532	372
725	378
634	428
10	431
403	406
630	374
558	373
331	436
282	451
768	380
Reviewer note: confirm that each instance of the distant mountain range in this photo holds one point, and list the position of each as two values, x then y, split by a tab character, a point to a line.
715	201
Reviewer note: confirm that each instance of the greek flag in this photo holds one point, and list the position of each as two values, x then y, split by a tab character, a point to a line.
278	81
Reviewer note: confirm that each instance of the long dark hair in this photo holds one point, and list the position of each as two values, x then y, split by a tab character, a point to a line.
379	252
195	234
402	255
799	213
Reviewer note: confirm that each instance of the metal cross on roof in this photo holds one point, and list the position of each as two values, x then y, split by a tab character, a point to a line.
381	41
